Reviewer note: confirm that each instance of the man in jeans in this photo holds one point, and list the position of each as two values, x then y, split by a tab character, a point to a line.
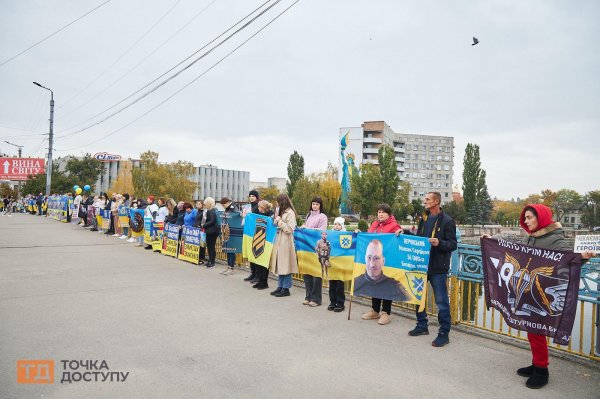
441	231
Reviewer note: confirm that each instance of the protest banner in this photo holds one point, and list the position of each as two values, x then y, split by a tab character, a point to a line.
158	229
259	234
136	222
170	241
587	243
232	231
74	212
189	246
328	254
534	289
148	230
391	267
105	219
123	216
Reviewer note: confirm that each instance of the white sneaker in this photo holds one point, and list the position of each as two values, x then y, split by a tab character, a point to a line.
116	235
122	237
131	240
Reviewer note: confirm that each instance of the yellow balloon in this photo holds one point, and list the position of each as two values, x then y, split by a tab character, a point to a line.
78	191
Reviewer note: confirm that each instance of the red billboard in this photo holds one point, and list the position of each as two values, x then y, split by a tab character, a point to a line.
20	168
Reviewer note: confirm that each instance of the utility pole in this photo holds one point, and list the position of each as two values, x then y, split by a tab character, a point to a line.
50	140
19	147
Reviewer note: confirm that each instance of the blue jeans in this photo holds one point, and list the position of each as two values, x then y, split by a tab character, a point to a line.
442	301
230	259
284	281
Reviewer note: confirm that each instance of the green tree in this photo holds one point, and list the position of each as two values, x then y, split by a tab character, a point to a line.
456	210
269	194
471	172
403	207
60	183
6	191
484	201
418	208
389	175
83	171
366	190
330	191
591	214
295	171
306	189
566	199
163	180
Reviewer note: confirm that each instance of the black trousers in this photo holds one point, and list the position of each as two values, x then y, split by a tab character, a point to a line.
211	242
376	305
202	253
314	287
336	293
263	275
253	267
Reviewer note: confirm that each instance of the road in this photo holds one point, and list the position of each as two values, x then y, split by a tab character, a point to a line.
182	331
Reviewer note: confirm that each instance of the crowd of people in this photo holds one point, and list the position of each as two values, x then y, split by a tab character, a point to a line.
435	225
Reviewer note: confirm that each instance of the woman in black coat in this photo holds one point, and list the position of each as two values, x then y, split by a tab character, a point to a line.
211	229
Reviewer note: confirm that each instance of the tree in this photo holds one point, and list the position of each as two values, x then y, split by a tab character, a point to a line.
83	171
456	210
37	183
163	180
366	190
418	208
533	199
330	191
566	199
506	212
591	215
6	191
124	182
548	197
484	201
306	189
269	194
295	171
389	175
471	172
403	207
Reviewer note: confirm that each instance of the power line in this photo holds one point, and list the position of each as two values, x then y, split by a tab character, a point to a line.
52	34
165	73
119	58
143	59
189	83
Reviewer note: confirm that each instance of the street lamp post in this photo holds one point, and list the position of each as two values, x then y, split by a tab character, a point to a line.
19	147
50	140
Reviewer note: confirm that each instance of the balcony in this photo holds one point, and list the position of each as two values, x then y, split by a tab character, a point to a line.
370	150
373	161
372	140
400	159
400	168
400	149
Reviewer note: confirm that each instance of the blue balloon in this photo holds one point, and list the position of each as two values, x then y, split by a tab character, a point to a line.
86	187
75	187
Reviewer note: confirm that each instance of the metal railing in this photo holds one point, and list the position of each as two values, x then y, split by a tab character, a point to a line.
467	302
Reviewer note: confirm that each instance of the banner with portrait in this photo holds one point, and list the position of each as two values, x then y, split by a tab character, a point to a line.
328	254
535	289
136	222
189	246
232	231
391	267
170	240
123	216
91	216
259	235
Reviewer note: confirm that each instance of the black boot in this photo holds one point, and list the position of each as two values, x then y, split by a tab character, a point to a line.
283	292
538	379
525	371
277	291
250	277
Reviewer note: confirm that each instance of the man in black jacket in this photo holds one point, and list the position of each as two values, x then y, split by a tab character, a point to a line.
441	230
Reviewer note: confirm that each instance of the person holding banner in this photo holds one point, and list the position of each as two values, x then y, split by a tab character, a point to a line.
283	259
385	223
229	207
211	229
254	199
337	297
198	223
264	208
317	220
542	232
441	230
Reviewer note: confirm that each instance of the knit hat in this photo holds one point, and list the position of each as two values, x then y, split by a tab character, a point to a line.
253	192
339	220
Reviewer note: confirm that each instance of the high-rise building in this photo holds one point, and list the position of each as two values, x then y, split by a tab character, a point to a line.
425	162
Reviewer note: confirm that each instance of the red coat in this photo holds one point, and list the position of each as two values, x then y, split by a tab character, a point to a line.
389	225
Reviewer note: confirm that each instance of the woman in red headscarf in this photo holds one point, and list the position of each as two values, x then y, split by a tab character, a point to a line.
542	232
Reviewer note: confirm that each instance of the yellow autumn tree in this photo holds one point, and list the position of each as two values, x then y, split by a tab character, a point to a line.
163	180
124	182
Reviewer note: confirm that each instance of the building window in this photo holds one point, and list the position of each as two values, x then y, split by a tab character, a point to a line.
430	148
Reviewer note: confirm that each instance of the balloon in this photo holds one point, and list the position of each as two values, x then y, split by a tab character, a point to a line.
78	191
75	187
86	187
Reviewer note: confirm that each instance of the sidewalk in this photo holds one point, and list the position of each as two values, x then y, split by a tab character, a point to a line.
184	331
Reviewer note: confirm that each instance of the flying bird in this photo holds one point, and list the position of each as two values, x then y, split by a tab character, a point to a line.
475	41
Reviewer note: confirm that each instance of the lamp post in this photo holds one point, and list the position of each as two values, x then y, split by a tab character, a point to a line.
50	139
20	147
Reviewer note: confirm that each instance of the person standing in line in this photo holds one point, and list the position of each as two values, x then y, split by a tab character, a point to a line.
265	208
440	229
38	201
283	258
337	296
198	223
190	215
179	212
229	207
254	199
114	211
316	220
385	223
211	229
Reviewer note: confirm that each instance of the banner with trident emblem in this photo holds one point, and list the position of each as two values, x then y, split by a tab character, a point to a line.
328	254
259	234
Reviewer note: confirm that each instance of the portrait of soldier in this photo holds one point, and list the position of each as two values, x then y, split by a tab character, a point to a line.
323	250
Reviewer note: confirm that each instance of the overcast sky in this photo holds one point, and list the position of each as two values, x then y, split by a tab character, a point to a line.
528	94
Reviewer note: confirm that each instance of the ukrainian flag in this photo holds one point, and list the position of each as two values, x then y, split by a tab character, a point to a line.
259	235
341	246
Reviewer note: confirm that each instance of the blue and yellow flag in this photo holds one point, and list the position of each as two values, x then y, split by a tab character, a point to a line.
232	231
123	216
325	253
391	267
259	235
